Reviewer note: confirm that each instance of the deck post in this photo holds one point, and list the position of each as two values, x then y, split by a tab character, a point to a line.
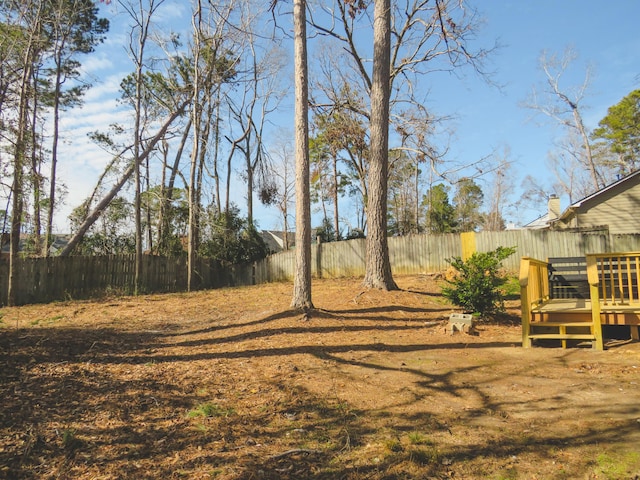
594	294
525	301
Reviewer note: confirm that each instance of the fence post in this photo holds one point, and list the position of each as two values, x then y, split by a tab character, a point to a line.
468	241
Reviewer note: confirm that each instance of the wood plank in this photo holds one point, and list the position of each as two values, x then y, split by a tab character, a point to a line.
560	324
580	305
564	304
560	336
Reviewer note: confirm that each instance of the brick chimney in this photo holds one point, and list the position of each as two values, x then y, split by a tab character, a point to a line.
554	207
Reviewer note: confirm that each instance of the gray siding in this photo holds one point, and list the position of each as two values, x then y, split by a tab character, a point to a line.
620	212
617	208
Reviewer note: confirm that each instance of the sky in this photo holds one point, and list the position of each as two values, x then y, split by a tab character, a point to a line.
488	119
485	119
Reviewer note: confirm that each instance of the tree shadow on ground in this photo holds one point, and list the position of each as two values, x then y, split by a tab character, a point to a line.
82	403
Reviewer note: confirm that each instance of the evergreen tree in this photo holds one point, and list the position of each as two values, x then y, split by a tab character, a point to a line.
468	200
619	131
441	215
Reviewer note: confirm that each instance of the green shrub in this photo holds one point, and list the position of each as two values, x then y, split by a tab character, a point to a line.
326	232
230	239
476	285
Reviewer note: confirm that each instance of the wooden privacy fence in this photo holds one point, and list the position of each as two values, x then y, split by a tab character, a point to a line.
55	278
411	254
429	253
79	277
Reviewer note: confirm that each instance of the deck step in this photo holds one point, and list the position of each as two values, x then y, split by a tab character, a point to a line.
562	336
561	324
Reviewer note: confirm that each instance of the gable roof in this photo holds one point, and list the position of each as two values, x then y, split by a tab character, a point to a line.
274	239
540	222
596	197
553	212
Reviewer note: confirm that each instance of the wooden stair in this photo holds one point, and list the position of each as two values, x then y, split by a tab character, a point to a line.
563	332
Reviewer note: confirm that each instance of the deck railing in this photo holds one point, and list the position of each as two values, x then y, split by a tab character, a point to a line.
613	278
534	290
613	286
534	281
614	299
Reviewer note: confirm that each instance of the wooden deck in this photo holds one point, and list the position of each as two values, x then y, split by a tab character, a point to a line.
614	297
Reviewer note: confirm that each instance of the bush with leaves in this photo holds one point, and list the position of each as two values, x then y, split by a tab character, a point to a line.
355	233
233	240
326	232
103	244
476	285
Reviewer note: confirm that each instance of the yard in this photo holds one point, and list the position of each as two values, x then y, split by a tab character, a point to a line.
230	384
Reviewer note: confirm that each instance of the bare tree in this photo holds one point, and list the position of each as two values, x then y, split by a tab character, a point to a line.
141	14
283	175
214	59
501	187
196	121
27	47
563	104
76	29
261	97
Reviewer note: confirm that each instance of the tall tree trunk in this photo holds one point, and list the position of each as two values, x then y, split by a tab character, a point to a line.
202	157
54	156
192	195
36	177
216	176
336	186
137	203
166	212
16	224
378	267
19	158
143	24
161	245
148	206
250	172
196	121
416	192
302	277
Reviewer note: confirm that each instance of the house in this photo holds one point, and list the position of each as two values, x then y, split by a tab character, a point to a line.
275	240
544	221
59	241
615	208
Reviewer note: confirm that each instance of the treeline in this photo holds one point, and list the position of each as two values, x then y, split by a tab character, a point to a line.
197	127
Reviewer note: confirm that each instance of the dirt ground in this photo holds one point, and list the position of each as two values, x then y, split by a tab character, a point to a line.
231	384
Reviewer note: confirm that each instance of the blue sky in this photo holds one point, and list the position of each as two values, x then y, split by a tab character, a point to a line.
485	119
604	35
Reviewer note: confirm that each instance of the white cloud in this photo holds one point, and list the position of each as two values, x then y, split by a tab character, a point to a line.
172	12
81	161
95	63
